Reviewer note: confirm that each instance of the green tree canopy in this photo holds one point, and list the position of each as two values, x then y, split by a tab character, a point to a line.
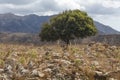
68	25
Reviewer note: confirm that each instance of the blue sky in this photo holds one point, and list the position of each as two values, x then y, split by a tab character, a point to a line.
104	11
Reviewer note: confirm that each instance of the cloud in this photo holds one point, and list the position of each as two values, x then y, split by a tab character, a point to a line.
95	8
100	9
103	7
27	6
43	6
112	3
16	2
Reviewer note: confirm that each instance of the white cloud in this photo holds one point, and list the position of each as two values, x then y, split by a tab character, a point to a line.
108	9
69	4
111	3
91	6
18	2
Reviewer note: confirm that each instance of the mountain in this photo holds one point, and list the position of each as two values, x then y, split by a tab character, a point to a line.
104	29
32	23
26	24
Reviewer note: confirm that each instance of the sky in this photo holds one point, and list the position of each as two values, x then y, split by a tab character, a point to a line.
104	11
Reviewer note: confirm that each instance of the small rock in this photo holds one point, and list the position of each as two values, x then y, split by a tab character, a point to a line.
48	70
113	47
37	73
100	76
99	73
112	79
11	62
8	69
66	54
1	70
41	74
19	67
30	65
56	55
5	77
50	65
21	70
24	71
64	62
14	54
96	63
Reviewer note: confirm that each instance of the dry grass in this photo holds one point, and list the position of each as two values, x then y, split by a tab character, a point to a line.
76	62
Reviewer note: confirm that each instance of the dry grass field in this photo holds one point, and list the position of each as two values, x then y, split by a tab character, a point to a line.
95	61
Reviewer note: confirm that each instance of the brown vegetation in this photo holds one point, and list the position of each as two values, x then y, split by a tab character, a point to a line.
95	61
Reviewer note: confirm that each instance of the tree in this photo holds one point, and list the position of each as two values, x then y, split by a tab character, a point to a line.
68	25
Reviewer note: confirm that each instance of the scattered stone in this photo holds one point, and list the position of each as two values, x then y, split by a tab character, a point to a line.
56	55
5	77
95	63
24	71
113	48
8	69
1	70
30	65
48	70
64	65
66	54
63	62
37	73
100	76
112	79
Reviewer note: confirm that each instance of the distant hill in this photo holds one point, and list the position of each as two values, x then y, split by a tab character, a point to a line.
32	24
26	24
104	29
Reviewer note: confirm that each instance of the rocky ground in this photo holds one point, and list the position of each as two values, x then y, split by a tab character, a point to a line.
94	61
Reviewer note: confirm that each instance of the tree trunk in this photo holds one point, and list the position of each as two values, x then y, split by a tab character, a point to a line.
67	42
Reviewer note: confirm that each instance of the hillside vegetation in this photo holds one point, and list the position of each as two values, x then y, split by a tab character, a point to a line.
32	24
26	38
94	61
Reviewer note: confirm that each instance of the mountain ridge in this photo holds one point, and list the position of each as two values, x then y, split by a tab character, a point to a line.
32	23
